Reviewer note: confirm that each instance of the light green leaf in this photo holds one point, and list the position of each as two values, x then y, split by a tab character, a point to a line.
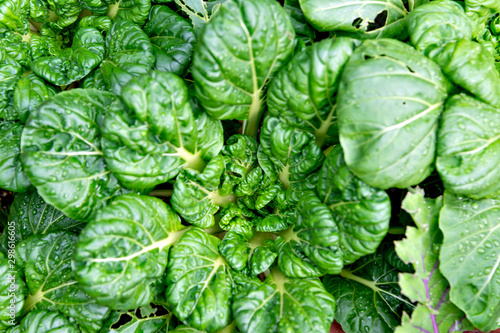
470	259
434	312
390	100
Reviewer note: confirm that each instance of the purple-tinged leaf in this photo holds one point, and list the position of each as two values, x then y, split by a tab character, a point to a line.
435	313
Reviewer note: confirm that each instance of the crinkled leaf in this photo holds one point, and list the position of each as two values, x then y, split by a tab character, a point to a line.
15	45
196	196
87	52
61	152
469	257
199	283
12	176
46	264
293	152
14	15
303	93
123	252
135	11
240	50
368	296
149	144
173	40
94	80
434	312
10	72
129	54
30	92
470	65
44	321
361	212
280	304
390	100
468	144
360	19
31	215
439	22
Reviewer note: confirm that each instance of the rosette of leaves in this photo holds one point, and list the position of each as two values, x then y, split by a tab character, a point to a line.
44	321
388	130
157	134
293	153
380	19
427	286
12	293
197	196
129	53
345	220
368	296
62	66
64	132
45	261
240	50
249	255
303	93
173	40
469	257
121	271
468	142
281	304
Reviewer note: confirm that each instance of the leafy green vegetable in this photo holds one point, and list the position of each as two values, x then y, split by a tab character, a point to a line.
303	93
199	11
238	53
368	296
280	304
64	132
116	269
173	40
199	282
359	19
435	312
12	176
67	66
390	101
44	321
31	215
46	264
469	257
129	53
467	148
160	134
